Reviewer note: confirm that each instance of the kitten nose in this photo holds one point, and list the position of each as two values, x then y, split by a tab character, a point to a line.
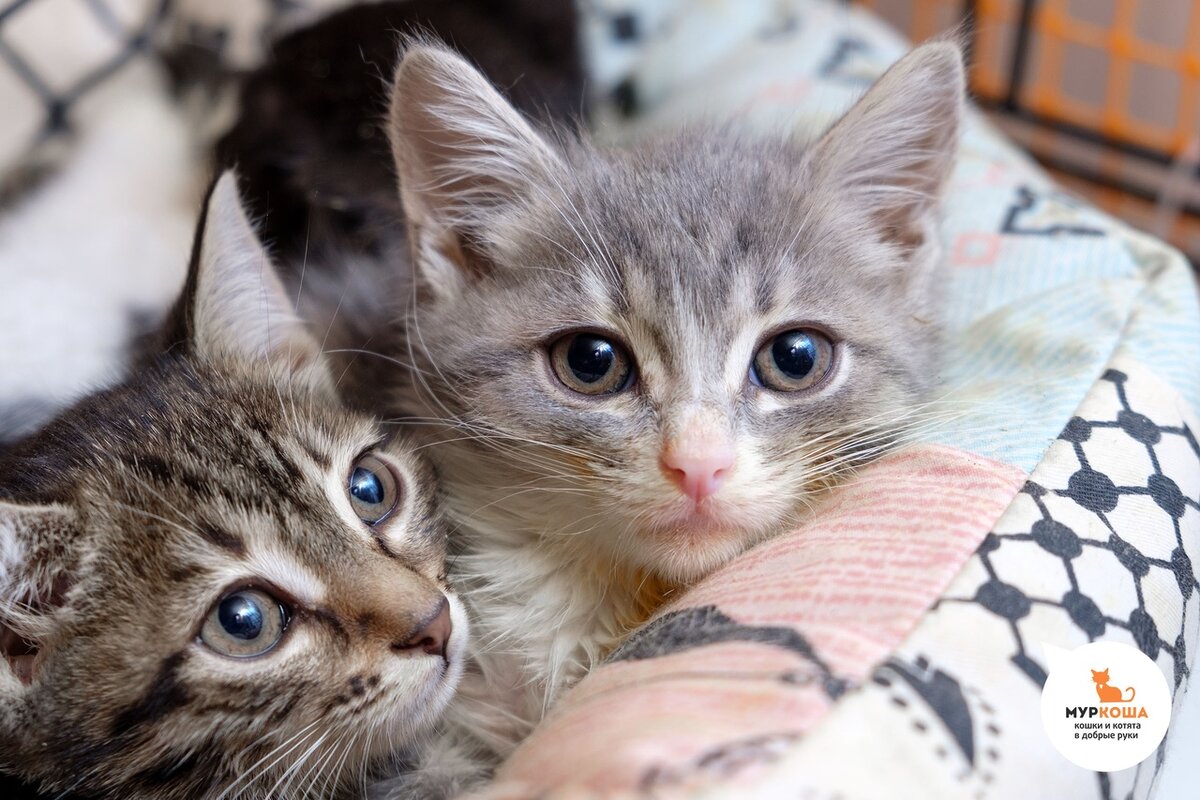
700	469
430	635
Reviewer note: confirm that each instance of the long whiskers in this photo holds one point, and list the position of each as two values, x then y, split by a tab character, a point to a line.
244	781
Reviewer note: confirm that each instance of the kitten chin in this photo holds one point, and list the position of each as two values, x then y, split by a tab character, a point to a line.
214	579
633	364
690	549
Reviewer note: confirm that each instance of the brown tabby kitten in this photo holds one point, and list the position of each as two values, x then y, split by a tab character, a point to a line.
214	580
642	361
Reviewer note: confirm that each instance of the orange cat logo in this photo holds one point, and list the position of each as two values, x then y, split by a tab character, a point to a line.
1109	694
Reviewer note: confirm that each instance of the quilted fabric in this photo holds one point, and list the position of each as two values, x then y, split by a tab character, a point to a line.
892	646
59	59
101	172
56	58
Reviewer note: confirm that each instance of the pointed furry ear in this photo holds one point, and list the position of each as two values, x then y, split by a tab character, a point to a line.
33	583
461	151
891	154
234	303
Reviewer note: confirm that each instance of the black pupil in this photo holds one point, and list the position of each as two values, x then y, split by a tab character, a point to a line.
366	486
590	358
241	617
795	354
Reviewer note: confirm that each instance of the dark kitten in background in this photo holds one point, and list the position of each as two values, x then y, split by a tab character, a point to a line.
311	148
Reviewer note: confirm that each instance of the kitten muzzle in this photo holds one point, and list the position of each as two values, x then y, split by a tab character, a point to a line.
698	468
431	635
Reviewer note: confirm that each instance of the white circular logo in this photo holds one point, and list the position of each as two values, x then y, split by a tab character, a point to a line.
1105	705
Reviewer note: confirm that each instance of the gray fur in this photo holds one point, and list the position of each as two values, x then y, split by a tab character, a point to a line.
690	250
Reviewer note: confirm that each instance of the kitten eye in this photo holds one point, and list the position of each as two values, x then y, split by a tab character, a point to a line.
793	360
244	623
589	363
373	489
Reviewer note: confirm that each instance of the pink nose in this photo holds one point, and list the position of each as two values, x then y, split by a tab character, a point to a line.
698	470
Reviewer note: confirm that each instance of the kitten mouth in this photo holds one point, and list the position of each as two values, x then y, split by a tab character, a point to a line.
695	523
707	514
710	523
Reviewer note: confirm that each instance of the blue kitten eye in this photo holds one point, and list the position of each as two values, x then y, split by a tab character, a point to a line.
366	487
372	489
241	617
589	363
793	360
244	623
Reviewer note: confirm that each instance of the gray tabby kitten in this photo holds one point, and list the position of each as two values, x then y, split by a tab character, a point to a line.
215	581
639	362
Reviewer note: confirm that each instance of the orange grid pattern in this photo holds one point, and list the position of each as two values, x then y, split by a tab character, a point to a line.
1055	25
925	18
992	56
1062	30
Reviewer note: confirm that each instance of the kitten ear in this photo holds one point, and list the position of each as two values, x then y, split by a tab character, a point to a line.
462	151
890	155
33	583
234	303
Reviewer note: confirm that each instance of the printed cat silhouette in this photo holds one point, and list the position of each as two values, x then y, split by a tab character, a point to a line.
1110	694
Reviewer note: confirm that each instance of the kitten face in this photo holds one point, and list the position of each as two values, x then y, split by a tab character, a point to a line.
215	577
664	353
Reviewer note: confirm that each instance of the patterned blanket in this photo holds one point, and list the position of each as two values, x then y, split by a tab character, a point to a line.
890	647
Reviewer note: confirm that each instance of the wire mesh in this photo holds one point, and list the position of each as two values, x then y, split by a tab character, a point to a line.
1105	92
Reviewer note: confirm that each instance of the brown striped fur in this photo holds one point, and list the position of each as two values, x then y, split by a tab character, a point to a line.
221	462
